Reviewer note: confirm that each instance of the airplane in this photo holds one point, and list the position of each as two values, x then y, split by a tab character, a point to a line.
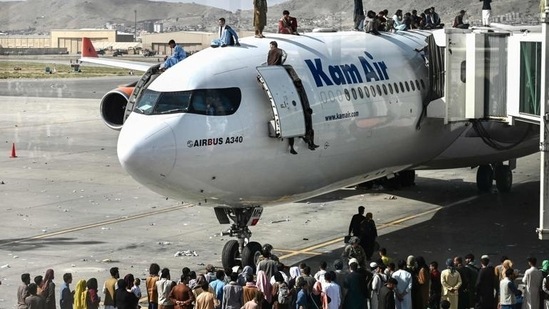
216	128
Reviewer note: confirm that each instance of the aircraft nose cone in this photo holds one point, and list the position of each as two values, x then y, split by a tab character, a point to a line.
147	152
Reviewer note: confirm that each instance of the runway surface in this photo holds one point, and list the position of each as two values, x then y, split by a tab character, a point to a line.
68	205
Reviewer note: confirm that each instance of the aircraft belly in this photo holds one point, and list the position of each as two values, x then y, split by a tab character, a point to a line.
470	150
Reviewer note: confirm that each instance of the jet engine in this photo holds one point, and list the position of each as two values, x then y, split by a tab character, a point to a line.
113	107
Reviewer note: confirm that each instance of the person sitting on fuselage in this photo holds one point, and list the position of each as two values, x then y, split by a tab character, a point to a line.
227	36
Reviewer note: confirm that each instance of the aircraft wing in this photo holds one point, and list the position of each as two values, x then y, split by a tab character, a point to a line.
90	55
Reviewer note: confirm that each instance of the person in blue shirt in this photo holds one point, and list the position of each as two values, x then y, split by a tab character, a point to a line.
178	54
227	36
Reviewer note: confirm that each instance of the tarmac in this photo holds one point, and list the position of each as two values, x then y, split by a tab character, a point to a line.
68	205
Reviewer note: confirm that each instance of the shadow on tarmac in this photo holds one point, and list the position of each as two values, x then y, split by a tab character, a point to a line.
493	223
28	244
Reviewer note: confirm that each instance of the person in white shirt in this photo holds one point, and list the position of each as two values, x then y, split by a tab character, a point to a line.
332	290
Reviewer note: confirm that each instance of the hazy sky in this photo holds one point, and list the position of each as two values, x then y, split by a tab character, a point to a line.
231	5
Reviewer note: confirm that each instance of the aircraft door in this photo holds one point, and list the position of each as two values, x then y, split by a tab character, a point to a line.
289	118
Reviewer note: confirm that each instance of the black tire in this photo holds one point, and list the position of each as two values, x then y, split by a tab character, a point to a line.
229	255
504	178
250	254
485	177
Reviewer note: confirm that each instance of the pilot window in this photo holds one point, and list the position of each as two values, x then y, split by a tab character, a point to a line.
215	102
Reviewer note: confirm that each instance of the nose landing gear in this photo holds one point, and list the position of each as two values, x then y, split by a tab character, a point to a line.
241	251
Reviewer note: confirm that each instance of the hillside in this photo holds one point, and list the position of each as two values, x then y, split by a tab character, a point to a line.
39	16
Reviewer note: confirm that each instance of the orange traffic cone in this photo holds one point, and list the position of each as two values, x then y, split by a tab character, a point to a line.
13	155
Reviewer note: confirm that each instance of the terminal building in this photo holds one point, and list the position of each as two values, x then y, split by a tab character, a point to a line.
70	41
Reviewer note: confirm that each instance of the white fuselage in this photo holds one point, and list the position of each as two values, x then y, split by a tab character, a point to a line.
232	160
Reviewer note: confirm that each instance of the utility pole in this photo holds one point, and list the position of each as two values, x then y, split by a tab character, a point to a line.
135	26
543	230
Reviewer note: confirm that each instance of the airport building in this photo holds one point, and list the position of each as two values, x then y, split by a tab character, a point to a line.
70	41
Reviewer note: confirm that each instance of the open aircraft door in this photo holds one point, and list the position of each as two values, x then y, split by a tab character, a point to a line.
289	118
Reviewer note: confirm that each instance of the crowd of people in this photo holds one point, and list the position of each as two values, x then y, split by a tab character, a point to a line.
381	284
370	280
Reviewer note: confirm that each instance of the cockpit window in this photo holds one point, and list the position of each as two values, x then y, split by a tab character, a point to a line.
214	102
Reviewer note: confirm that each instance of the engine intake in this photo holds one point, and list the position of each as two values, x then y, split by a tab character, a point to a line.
113	107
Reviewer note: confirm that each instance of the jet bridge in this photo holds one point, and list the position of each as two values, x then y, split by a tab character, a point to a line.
493	74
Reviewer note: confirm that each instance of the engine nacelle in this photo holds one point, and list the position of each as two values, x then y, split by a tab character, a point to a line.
113	107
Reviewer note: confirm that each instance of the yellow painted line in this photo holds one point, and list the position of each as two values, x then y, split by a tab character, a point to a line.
340	239
291	251
102	223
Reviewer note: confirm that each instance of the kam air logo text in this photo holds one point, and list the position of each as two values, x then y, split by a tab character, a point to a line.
349	73
341	116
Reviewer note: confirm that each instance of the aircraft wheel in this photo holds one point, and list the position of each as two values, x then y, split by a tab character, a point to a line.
407	178
229	255
250	254
504	178
485	177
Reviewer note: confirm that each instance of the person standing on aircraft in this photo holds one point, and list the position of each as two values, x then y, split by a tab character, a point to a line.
358	15
458	21
178	54
260	17
287	24
486	10
227	36
356	220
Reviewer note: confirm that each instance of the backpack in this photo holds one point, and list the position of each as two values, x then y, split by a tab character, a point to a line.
283	294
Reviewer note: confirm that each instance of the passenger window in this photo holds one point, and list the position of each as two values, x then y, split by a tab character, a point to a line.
401	87
353	92
412	85
396	87
323	97
390	88
379	90
360	93
347	95
331	96
407	86
384	89
373	91
422	84
417	85
366	91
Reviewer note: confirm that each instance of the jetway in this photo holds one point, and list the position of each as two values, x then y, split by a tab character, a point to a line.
493	74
